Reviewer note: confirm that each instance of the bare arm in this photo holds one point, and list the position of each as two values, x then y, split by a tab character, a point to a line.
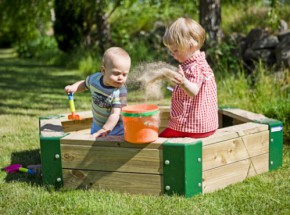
76	87
110	123
191	89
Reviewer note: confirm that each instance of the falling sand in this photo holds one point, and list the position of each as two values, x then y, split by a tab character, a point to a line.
153	76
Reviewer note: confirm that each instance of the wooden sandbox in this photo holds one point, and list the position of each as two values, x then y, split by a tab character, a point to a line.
246	144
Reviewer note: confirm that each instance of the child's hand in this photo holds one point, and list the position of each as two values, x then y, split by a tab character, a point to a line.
179	79
70	89
101	133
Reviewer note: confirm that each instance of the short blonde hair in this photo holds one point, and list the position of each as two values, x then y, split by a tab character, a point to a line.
184	33
113	52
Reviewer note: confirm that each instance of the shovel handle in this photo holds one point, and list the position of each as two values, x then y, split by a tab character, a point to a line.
71	103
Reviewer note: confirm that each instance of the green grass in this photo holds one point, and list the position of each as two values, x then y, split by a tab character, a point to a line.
29	90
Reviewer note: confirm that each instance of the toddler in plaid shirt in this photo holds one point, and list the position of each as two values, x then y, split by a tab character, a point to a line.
194	110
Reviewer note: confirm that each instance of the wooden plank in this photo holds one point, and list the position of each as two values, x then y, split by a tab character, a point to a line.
164	109
257	143
82	114
164	113
86	132
76	125
231	132
237	122
112	159
220	119
50	127
79	138
230	151
223	176
161	129
243	115
223	153
260	164
247	128
220	135
164	116
132	183
163	123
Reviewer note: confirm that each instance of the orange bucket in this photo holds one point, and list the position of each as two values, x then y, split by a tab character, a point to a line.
141	123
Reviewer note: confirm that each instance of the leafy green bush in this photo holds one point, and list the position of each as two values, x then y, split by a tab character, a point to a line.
37	47
268	94
89	64
242	16
225	56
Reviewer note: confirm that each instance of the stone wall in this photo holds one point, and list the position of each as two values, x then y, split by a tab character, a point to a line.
271	49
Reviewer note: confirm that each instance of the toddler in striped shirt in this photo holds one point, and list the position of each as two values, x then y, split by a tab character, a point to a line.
108	92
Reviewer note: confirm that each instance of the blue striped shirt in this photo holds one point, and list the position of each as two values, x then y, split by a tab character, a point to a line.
104	98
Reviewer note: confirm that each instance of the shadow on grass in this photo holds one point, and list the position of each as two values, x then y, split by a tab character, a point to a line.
25	158
26	85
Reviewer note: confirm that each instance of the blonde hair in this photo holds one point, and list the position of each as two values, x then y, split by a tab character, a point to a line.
184	33
113	52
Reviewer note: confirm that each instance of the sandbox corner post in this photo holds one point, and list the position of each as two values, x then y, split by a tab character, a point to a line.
275	142
51	164
182	168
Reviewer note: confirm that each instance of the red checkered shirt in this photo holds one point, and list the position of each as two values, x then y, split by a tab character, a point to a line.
198	114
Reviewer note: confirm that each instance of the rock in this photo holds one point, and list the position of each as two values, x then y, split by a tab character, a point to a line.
282	52
269	41
270	49
284	34
266	55
283	26
255	35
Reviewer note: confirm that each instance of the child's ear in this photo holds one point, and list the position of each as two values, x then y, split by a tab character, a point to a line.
103	69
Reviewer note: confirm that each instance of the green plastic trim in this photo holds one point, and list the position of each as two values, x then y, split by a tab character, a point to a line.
51	164
149	113
275	142
182	168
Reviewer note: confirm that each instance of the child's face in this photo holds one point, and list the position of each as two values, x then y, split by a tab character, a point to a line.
180	55
116	72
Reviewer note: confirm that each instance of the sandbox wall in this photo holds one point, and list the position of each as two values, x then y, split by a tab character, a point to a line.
246	144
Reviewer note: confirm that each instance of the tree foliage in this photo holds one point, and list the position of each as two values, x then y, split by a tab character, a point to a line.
73	24
83	23
22	20
97	24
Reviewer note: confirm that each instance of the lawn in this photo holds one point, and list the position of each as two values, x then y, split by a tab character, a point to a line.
29	90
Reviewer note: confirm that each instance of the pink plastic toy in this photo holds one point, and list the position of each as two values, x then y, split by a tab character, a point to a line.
18	168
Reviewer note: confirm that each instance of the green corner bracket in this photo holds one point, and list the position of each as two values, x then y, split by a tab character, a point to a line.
275	142
182	168
51	161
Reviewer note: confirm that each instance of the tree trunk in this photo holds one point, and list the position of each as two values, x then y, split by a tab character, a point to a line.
103	29
210	19
103	26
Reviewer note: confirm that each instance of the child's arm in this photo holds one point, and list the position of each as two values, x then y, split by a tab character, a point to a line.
191	89
76	87
110	123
